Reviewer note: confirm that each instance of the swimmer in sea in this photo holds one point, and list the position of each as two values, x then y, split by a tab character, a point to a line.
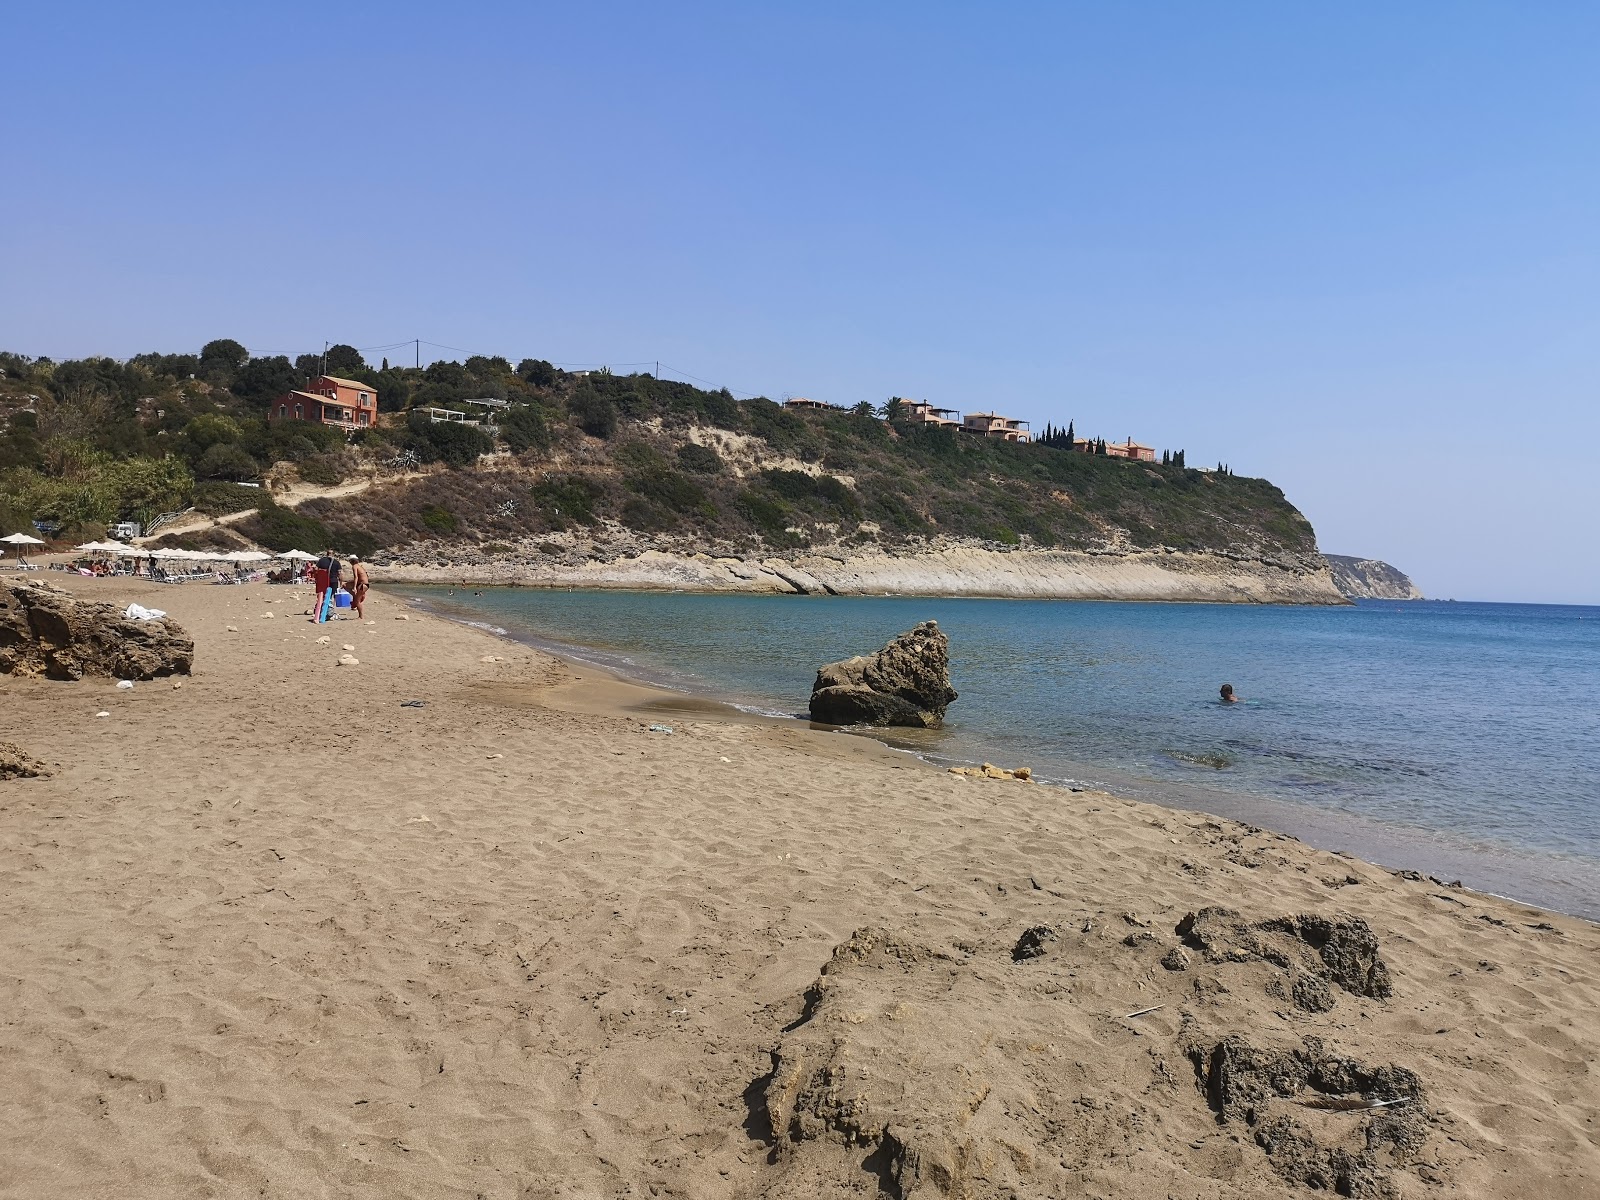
1227	694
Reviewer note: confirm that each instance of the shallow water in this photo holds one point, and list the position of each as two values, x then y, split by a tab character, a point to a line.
1459	738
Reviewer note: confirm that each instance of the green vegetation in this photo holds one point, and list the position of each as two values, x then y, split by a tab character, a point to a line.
88	442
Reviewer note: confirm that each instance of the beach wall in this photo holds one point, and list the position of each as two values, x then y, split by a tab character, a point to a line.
953	569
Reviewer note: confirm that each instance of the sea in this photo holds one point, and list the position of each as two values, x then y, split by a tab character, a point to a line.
1461	740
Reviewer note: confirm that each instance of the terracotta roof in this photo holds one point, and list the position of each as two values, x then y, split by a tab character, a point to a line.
349	383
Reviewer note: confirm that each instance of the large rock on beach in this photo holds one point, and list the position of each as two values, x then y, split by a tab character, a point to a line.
47	631
905	683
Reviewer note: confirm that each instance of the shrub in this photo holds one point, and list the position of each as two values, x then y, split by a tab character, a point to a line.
565	498
354	541
639	514
322	469
278	528
524	428
438	519
454	444
594	413
224	460
216	499
702	460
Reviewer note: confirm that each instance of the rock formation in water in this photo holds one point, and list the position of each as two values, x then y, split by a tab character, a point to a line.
1370	579
905	683
46	631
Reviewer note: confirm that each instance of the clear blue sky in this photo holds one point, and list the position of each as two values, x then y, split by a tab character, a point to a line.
1354	248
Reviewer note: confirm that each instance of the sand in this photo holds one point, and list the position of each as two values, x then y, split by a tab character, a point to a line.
272	934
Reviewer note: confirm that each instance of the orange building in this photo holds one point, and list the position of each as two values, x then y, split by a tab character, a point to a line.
1131	449
994	425
920	412
329	400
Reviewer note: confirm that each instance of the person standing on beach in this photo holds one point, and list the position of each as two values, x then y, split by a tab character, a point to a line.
319	580
328	572
358	586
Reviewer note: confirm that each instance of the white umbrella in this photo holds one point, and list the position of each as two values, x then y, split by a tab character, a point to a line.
19	540
168	554
245	556
120	548
94	547
298	556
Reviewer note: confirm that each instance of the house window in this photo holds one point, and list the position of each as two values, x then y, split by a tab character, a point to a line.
362	396
283	410
299	412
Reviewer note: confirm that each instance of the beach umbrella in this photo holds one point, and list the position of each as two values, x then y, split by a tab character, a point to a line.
19	540
298	556
248	556
120	548
93	547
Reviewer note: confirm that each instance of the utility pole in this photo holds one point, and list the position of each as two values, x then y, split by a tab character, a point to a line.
658	368
416	346
324	357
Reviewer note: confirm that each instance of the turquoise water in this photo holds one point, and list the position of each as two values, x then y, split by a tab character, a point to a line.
1462	739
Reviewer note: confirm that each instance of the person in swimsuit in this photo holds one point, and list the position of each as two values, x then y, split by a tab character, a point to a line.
358	585
1227	694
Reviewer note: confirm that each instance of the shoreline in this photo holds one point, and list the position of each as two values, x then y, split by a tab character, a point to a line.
272	932
1394	846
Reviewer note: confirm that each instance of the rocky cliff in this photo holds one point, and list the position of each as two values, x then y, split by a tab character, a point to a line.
1370	579
939	567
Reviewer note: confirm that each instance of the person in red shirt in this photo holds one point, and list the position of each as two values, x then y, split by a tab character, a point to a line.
320	575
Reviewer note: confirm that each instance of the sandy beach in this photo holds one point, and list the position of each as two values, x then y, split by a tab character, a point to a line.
270	933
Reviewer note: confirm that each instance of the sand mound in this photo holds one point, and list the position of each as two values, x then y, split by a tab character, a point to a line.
1266	1090
15	763
1314	950
45	631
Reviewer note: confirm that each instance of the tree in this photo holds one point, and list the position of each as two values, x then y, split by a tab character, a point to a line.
219	360
536	372
1072	437
894	408
343	360
262	380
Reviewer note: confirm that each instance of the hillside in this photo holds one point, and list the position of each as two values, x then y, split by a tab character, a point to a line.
588	471
1370	579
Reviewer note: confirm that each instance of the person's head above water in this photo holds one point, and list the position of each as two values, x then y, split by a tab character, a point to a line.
1227	693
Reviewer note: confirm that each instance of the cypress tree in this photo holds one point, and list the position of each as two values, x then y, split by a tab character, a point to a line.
1071	437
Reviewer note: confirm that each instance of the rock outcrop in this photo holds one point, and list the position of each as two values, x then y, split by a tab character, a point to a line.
1370	579
937	567
17	763
46	631
905	683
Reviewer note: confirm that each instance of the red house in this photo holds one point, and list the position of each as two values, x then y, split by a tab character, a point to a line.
329	400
